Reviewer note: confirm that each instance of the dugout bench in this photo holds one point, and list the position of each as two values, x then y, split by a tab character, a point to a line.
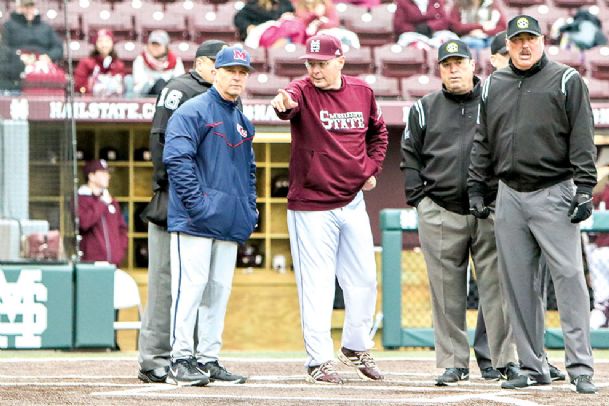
393	223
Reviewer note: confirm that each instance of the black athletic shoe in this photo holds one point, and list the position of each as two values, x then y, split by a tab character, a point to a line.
510	371
157	375
217	372
521	381
182	372
583	384
451	376
490	374
556	374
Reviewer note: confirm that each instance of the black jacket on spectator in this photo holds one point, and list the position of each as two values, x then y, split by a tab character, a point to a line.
10	68
35	36
253	14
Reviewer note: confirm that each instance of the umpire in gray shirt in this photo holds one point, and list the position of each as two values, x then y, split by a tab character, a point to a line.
536	135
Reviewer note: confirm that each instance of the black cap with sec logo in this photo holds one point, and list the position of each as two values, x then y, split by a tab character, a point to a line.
453	48
523	23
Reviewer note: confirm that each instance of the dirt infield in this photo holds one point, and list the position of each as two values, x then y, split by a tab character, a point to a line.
108	380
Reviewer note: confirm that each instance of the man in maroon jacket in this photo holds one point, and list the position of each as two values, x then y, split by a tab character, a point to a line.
102	227
339	140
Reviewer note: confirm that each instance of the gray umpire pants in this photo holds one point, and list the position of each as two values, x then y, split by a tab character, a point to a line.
447	240
528	224
154	345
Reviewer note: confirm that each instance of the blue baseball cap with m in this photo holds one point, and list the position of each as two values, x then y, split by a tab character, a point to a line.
233	56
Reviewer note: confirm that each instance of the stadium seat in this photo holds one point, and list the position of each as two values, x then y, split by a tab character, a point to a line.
598	88
384	88
265	85
358	61
79	49
121	24
185	50
284	60
598	62
418	86
55	18
127	51
521	4
572	57
258	59
215	23
574	4
376	27
149	20
393	60
348	12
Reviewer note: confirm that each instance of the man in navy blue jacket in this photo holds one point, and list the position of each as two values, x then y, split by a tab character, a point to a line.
212	208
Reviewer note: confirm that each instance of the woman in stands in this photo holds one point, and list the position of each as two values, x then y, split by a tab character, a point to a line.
155	66
102	73
316	15
422	23
269	23
476	21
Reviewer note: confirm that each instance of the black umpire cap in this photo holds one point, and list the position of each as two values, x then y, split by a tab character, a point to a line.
453	48
210	48
498	44
523	23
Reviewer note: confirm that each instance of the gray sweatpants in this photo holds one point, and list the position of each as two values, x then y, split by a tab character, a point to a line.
154	343
201	279
528	224
447	240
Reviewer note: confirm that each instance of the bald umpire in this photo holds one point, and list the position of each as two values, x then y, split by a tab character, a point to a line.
536	134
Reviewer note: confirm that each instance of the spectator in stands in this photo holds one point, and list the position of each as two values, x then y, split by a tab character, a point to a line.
422	23
597	252
316	15
268	23
102	73
11	67
476	22
32	38
102	227
156	65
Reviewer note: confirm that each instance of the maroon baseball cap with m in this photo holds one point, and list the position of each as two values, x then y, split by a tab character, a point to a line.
323	48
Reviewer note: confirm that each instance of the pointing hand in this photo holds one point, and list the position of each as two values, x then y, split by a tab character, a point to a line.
283	101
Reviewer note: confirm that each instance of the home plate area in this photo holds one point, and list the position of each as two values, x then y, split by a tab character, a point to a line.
271	382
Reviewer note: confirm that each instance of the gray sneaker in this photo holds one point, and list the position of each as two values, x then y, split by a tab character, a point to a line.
583	384
510	371
522	381
452	376
183	373
556	374
490	374
217	372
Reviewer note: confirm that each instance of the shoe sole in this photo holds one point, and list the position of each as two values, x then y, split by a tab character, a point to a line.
146	379
343	358
310	379
465	379
559	378
173	381
221	381
574	389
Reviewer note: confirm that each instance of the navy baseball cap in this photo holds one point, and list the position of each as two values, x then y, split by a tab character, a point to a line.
233	56
453	48
498	44
523	23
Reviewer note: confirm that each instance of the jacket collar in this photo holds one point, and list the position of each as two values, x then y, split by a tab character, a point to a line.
459	98
216	95
539	65
20	18
195	75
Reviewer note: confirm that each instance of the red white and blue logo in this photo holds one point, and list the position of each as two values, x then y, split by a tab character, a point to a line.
242	131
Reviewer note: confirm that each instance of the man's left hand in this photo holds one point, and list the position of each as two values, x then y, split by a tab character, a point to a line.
370	184
581	207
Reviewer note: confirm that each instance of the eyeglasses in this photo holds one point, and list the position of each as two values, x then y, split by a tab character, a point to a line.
321	64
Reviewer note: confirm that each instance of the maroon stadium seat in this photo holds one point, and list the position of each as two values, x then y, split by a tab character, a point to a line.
348	12
418	86
571	57
374	28
265	85
284	60
258	59
55	18
358	60
520	4
127	51
393	60
121	24
149	20
384	88
574	4
215	24
546	15
185	50
598	62
598	88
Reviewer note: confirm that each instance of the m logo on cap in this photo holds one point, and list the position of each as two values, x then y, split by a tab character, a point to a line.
522	23
315	45
452	47
239	55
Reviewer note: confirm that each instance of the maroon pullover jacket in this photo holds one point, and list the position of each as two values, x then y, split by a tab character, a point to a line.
339	140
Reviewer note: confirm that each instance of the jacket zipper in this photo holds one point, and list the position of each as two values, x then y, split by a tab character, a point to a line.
106	240
516	121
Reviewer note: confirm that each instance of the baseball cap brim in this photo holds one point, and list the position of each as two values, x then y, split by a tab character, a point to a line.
455	55
248	67
318	57
530	31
